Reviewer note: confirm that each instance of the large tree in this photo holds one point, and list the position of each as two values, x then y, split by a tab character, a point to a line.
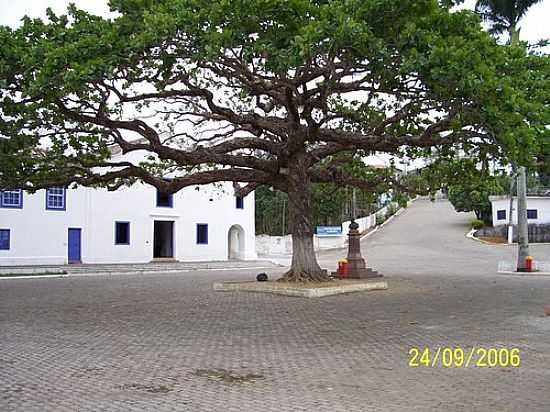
504	16
259	92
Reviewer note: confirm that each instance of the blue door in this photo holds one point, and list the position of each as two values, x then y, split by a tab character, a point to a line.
74	246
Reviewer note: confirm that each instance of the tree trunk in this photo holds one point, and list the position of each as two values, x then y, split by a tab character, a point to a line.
304	266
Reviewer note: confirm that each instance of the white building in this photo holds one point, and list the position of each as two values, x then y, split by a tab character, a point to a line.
131	225
538	209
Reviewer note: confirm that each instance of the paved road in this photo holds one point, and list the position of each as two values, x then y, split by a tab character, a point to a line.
168	343
429	239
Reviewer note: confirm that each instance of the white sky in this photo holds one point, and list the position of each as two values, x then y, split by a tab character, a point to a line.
11	11
534	25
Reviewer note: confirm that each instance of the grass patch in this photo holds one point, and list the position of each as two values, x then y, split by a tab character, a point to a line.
498	240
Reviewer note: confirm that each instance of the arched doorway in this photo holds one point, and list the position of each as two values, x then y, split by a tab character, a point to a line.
235	242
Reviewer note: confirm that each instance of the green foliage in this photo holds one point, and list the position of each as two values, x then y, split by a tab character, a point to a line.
503	17
471	188
402	199
477	224
474	198
75	81
271	209
331	206
390	211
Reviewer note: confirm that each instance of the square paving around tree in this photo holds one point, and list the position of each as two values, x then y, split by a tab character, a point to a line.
305	289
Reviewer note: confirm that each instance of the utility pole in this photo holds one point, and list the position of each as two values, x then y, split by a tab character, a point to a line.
511	210
523	233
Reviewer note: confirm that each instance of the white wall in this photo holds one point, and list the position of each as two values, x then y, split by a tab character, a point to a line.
39	236
541	204
364	222
282	245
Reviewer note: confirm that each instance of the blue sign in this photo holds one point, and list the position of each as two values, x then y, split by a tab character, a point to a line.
329	230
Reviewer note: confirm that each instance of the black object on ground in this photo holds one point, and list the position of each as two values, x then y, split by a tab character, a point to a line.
261	277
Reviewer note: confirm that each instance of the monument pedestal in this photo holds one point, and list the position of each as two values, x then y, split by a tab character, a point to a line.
357	268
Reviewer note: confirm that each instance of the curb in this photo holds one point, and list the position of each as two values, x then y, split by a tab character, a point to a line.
470	235
128	273
170	271
380	226
366	235
542	269
524	274
60	275
301	292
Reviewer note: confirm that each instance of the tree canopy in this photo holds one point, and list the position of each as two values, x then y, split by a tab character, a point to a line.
471	192
262	92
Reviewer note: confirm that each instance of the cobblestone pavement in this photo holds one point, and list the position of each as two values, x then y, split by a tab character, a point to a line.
167	342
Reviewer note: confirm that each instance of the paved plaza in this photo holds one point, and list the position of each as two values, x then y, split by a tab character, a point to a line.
167	342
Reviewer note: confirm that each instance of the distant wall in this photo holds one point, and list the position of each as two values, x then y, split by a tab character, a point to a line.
502	203
537	233
282	245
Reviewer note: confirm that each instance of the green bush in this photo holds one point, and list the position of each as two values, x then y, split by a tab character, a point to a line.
390	211
477	224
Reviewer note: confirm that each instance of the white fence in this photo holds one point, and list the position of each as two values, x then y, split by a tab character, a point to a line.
282	245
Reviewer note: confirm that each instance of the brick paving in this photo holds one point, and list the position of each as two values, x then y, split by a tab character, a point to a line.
167	342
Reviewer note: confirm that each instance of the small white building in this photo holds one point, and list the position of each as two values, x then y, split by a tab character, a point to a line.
538	209
134	224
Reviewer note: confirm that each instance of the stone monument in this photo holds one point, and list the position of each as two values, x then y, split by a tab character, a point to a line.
357	268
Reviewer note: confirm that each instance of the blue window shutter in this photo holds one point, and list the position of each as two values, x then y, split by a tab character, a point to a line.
240	202
532	214
4	239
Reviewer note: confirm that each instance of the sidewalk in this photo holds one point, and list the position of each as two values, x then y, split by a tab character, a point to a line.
132	269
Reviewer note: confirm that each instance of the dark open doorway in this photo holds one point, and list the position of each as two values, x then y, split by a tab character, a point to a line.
163	239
